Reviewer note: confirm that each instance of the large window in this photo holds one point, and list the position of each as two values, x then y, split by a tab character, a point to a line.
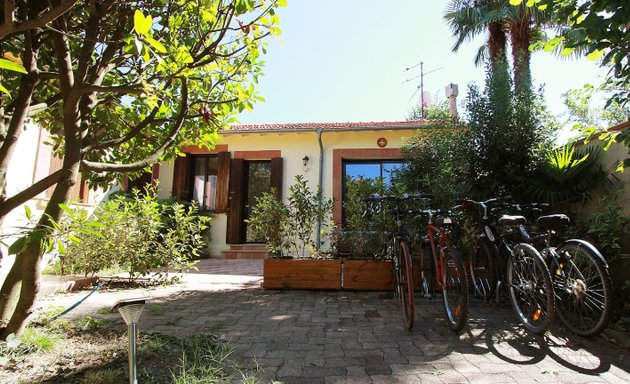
204	181
375	176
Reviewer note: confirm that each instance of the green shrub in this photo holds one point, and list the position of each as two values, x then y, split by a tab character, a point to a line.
138	233
290	230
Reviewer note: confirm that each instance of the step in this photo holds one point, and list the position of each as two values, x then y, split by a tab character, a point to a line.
245	254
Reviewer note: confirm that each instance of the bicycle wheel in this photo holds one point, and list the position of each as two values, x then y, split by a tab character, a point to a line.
530	288
582	287
427	272
482	269
406	284
454	289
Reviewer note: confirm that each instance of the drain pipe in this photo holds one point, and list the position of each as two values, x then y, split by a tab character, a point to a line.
319	185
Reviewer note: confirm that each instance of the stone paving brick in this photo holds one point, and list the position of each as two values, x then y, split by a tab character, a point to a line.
358	337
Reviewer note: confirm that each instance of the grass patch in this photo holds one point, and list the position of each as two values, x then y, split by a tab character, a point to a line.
75	354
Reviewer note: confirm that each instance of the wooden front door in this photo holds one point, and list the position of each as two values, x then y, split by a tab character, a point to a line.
248	180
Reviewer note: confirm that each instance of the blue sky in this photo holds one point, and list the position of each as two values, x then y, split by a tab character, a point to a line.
344	60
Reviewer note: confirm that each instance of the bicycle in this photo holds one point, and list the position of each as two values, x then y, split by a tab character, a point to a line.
397	248
501	258
581	282
443	268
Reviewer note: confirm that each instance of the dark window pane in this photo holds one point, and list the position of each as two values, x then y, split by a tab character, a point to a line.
258	182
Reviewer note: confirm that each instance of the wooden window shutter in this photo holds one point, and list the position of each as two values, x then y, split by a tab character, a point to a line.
235	202
181	185
223	179
276	176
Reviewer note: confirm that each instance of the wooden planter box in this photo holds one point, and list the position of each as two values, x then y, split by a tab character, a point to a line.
367	275
301	274
356	275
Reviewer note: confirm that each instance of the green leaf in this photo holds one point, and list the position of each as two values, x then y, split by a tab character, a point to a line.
595	55
282	3
11	66
515	2
3	89
61	247
91	232
142	24
156	44
28	212
65	208
18	246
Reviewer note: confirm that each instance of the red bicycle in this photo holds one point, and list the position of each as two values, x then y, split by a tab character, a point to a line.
442	269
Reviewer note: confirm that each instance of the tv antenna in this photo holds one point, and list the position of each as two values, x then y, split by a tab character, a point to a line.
421	86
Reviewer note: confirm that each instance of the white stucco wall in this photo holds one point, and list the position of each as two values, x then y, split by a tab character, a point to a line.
29	163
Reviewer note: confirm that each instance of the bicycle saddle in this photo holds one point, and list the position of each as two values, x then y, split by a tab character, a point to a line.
553	221
510	220
441	221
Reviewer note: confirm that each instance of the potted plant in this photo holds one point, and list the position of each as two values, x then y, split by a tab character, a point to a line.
297	259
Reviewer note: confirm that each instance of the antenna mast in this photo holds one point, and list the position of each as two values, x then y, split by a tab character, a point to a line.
421	87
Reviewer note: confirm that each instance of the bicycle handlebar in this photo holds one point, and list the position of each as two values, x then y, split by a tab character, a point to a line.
404	197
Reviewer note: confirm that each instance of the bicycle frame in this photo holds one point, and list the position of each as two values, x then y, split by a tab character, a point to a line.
444	241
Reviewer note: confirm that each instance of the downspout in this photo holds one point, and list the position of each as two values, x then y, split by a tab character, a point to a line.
319	186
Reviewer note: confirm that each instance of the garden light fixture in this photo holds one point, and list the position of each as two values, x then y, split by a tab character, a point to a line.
130	310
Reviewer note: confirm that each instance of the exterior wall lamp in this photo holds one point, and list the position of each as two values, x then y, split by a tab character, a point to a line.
305	160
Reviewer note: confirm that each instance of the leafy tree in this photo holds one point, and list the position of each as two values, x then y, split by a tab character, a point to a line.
582	108
437	160
509	133
118	90
599	28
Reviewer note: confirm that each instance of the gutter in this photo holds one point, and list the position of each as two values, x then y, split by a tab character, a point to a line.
320	182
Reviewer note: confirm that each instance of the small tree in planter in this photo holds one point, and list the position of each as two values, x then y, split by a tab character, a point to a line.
290	230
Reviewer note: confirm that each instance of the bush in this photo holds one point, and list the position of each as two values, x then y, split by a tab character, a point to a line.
291	230
138	233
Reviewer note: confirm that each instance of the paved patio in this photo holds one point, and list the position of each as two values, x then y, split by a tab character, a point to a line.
357	337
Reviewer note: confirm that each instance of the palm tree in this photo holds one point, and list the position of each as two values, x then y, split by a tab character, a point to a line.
468	18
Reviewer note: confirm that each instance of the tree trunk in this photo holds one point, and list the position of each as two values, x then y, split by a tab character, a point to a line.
496	43
19	291
520	34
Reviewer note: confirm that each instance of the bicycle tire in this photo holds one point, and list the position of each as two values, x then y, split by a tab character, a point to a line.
406	284
454	289
583	288
427	272
530	288
483	270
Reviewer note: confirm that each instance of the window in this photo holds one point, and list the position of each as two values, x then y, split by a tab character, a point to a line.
204	181
385	169
359	171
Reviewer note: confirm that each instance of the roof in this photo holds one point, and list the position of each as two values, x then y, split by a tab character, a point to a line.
312	127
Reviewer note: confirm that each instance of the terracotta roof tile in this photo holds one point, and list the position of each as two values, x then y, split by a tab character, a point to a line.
292	127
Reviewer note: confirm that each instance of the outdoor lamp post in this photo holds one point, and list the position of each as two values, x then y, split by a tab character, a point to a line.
130	310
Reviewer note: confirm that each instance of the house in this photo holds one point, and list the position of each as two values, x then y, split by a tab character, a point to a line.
252	159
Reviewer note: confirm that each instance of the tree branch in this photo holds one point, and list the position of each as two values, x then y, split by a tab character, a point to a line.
23	196
9	28
131	134
153	158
